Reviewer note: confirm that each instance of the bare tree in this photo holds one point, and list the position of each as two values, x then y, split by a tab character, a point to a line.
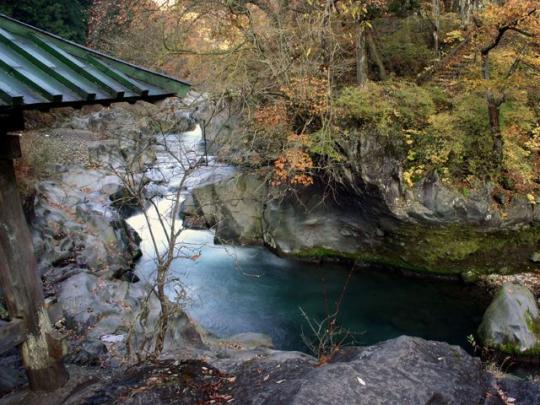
131	163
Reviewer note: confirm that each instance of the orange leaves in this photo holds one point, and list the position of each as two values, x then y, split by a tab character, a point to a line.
108	16
272	115
519	16
308	93
513	13
294	165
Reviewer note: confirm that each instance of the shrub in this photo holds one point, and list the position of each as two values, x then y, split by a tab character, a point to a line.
387	105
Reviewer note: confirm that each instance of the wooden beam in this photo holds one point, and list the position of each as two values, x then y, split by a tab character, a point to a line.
42	351
12	334
9	99
11	121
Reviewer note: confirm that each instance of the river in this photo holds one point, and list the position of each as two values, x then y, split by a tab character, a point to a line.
231	290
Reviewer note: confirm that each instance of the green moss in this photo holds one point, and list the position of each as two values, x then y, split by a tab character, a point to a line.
509	348
458	249
449	250
323	252
533	324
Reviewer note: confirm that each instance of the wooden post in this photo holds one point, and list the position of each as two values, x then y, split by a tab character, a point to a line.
41	351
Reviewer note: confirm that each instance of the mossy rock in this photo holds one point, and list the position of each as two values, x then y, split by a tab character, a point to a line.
451	250
511	324
462	249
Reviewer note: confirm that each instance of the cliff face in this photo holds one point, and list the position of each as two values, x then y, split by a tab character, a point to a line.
372	216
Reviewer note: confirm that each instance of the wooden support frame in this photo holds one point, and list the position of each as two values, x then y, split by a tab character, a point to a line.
10	147
9	99
41	350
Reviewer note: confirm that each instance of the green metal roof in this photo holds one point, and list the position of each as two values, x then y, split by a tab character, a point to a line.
42	70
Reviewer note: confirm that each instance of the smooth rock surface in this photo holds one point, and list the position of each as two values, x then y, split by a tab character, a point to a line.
234	207
400	371
511	322
431	229
95	307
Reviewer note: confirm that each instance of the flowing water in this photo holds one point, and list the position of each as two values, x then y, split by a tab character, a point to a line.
231	290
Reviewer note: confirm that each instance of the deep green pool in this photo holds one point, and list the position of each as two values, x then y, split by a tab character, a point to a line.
235	290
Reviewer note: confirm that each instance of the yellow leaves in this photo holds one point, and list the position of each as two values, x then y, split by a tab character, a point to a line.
407	178
452	37
411	155
355	9
531	198
533	143
521	158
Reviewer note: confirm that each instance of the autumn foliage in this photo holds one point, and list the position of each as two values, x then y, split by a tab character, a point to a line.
310	78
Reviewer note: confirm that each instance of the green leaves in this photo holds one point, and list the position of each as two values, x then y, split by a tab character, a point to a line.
67	18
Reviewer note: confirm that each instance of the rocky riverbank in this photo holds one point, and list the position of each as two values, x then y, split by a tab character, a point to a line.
86	250
108	316
368	213
403	370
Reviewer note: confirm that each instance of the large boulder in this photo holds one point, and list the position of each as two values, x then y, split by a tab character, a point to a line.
511	323
74	223
405	370
115	312
234	208
401	371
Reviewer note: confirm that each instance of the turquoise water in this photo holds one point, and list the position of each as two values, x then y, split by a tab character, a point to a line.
231	290
234	290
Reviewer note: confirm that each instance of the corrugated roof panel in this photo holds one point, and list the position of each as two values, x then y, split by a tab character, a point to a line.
14	88
34	74
38	69
110	82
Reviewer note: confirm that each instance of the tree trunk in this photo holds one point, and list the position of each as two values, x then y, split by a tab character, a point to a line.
163	323
361	56
374	51
467	8
436	23
42	352
495	128
494	104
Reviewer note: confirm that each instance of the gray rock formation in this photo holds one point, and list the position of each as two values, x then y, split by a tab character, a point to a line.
234	208
98	308
430	229
400	371
511	323
74	223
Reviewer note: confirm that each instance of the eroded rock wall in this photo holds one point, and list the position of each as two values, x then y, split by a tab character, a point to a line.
371	216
